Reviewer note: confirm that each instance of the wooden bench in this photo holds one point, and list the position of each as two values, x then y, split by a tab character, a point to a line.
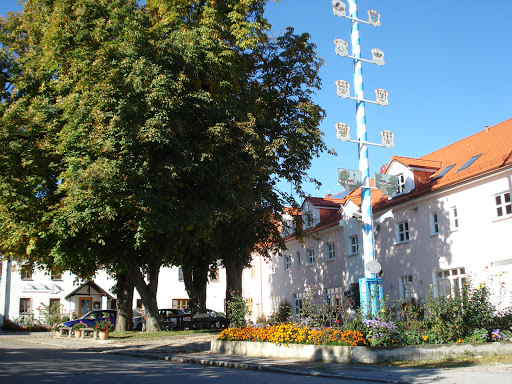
68	331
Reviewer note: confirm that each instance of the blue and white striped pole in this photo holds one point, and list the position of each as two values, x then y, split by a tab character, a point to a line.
364	167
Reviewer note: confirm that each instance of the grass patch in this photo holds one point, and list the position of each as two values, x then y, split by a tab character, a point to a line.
134	335
455	362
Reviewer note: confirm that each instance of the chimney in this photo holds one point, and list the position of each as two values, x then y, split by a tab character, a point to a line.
486	128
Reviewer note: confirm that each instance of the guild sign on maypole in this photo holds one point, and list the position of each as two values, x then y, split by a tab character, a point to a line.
370	287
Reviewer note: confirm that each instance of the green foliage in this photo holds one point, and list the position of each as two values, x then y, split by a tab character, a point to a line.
237	311
480	335
50	315
78	326
104	326
284	312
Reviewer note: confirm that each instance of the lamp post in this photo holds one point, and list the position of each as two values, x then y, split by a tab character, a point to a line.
370	287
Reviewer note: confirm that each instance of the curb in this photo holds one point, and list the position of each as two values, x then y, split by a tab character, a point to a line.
254	367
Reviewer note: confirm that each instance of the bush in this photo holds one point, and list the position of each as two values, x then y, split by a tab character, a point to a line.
9	325
284	312
237	310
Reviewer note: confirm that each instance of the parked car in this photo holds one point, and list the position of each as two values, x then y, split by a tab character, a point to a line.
171	319
209	320
90	318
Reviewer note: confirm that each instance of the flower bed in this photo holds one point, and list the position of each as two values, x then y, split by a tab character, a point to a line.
291	333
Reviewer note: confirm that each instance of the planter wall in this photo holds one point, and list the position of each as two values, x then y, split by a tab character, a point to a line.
369	355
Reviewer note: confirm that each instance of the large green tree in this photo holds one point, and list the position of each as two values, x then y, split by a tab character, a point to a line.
130	133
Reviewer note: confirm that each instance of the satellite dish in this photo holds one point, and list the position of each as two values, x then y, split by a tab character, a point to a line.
383	168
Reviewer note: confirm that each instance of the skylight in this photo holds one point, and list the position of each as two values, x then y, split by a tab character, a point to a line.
444	171
469	162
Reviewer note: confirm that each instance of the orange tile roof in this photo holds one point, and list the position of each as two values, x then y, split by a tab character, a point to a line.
324	201
495	146
420	163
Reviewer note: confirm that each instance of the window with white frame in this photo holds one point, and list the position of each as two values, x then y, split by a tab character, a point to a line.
287	262
503	204
406	288
400	183
298	301
180	274
273	267
310	256
402	234
330	252
275	301
434	224
333	296
25	308
297	259
354	244
454	218
449	281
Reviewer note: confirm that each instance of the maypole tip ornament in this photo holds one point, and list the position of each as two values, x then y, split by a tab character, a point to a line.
342	132
338	8
343	88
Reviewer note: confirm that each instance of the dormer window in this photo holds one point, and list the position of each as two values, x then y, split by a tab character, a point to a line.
400	183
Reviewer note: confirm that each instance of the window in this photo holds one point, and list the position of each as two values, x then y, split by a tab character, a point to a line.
406	288
253	271
503	204
354	244
401	183
26	272
298	301
403	232
333	296
214	274
139	303
434	224
180	274
25	307
454	218
449	281
56	275
297	259
249	306
55	305
275	302
444	171
287	262
310	256
180	303
468	163
273	267
330	251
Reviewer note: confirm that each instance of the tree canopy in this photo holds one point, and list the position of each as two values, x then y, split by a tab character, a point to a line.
131	132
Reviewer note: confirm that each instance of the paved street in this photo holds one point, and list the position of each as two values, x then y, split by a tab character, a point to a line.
42	358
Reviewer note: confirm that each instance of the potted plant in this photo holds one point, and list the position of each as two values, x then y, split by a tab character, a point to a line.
103	327
77	328
56	329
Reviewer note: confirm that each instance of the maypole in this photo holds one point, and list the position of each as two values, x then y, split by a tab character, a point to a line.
370	287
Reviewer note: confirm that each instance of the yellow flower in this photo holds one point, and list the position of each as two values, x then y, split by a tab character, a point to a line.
459	341
425	338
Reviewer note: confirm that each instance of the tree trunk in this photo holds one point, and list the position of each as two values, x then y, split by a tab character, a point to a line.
147	294
234	269
124	291
196	280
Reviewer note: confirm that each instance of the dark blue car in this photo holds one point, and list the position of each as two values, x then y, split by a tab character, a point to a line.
90	318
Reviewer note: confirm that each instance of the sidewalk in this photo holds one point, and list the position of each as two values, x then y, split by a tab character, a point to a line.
195	349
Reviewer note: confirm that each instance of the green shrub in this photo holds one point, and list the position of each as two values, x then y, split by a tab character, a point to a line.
237	311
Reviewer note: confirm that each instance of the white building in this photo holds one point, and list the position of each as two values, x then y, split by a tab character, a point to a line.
449	220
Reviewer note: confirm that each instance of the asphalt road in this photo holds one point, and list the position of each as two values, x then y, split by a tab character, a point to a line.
27	363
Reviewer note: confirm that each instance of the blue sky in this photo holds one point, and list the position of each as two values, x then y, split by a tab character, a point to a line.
448	73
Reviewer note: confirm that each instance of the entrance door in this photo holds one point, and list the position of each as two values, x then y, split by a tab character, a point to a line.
84	305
